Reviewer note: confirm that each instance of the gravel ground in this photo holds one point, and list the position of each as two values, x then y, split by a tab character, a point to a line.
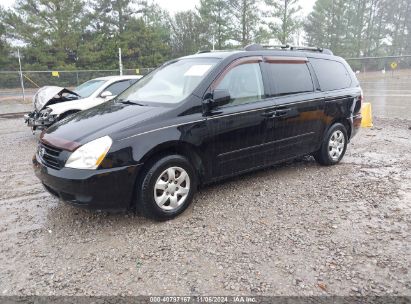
295	229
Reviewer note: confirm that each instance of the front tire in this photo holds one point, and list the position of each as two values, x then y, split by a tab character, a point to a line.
333	147
166	188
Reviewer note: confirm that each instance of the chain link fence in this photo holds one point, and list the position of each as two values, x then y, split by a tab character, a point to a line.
36	79
378	68
11	90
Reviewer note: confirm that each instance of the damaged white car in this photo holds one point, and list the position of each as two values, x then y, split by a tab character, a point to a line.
53	103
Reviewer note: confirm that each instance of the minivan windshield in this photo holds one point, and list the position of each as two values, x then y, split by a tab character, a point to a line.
88	88
170	83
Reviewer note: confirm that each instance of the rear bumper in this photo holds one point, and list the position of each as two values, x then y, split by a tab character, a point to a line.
356	124
108	189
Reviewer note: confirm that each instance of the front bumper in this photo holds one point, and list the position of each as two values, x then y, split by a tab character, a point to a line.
38	122
108	189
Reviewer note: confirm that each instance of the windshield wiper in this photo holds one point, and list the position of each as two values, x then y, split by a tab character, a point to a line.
130	102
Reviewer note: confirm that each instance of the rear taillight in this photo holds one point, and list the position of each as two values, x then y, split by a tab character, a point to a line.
362	97
358	103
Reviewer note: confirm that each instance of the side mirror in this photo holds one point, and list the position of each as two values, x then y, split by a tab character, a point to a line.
216	99
221	97
106	94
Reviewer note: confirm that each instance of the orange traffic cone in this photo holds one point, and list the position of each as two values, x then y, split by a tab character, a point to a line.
366	113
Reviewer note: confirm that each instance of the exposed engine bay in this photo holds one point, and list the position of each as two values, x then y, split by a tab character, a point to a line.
41	118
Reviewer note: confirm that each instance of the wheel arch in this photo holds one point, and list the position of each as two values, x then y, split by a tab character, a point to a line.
185	149
345	122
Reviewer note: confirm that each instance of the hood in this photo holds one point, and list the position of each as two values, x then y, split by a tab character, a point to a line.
110	118
50	95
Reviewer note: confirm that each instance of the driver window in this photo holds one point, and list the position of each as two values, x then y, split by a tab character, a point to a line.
245	84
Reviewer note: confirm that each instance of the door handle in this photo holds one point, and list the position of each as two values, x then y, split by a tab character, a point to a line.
282	113
269	114
279	113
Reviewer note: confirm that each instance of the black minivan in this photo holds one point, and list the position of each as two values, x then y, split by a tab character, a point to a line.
199	119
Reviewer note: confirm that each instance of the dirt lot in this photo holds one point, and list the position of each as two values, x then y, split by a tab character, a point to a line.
296	229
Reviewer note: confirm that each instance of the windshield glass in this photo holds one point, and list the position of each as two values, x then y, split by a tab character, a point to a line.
88	88
171	83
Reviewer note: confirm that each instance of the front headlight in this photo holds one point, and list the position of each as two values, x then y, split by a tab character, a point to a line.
44	114
90	155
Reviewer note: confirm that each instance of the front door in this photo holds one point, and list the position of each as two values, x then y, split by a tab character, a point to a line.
237	130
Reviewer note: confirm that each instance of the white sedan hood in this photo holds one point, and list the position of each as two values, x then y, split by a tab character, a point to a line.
50	95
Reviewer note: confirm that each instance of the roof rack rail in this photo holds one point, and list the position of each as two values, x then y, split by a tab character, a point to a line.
212	51
280	46
311	49
259	47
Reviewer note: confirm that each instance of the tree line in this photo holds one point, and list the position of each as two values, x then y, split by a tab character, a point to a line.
79	34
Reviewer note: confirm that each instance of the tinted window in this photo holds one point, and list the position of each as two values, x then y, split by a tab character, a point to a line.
291	78
332	75
89	87
118	87
245	84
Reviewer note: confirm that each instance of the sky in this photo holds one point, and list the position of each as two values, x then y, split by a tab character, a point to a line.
174	6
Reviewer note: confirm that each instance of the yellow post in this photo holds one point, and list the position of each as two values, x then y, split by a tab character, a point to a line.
366	113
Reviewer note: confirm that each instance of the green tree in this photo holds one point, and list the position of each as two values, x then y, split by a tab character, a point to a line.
398	15
141	30
4	45
50	29
112	16
287	14
144	45
246	15
187	34
361	27
262	35
215	16
327	25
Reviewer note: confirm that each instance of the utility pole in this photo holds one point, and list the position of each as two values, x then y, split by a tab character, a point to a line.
120	63
21	76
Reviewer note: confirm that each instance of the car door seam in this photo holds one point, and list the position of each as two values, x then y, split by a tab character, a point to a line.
264	144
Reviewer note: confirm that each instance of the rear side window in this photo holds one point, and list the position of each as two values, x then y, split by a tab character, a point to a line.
291	78
331	74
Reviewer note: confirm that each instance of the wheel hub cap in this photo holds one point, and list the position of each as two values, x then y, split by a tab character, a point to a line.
336	145
171	188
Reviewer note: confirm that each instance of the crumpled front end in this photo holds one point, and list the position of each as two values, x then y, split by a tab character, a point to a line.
49	95
40	120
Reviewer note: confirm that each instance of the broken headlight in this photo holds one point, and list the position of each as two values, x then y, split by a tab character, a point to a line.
45	115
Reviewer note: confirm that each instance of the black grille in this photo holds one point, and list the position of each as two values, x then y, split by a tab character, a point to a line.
50	156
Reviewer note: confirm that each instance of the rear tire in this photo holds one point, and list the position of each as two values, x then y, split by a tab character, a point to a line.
333	146
166	188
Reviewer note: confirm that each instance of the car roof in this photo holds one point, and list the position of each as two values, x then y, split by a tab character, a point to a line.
117	77
266	52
